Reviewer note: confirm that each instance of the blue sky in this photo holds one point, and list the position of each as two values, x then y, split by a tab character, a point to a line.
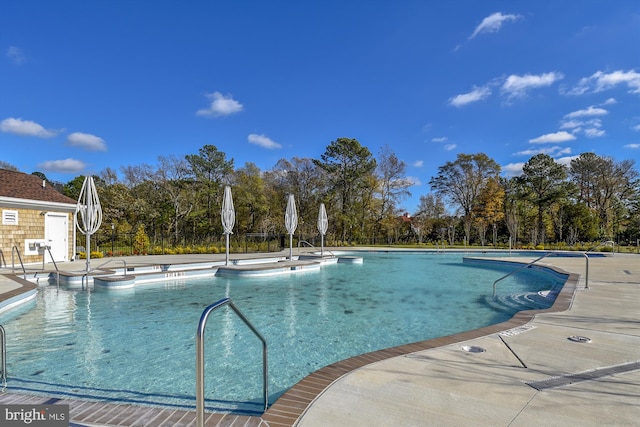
87	85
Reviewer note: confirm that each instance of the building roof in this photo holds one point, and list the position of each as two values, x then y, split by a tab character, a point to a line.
18	185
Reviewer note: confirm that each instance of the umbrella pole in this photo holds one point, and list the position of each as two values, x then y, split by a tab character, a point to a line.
291	247
322	245
88	252
227	244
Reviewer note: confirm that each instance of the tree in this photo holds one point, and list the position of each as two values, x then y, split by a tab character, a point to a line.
250	198
543	182
489	209
606	186
210	170
8	166
462	181
392	186
430	210
348	165
171	177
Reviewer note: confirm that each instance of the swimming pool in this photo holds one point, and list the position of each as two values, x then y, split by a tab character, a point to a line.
138	346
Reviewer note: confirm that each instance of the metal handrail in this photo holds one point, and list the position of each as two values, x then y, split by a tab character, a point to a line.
604	243
312	246
586	282
48	248
3	352
518	269
200	357
13	264
112	260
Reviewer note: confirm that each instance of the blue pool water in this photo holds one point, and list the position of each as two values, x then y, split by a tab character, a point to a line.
138	346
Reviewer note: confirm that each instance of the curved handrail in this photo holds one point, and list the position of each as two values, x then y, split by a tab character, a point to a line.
605	243
13	264
48	248
518	269
3	354
586	278
200	357
311	246
112	260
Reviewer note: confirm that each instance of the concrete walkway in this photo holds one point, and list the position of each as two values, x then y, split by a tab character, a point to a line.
507	384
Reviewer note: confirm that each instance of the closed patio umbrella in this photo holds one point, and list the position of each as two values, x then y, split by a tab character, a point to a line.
323	224
90	214
228	215
291	222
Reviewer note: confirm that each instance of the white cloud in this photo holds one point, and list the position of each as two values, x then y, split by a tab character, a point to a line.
594	132
555	150
493	23
450	147
633	146
63	166
517	86
636	128
413	180
86	141
610	101
16	55
26	128
556	137
477	94
565	160
440	139
513	169
418	163
263	141
577	125
601	81
588	112
220	106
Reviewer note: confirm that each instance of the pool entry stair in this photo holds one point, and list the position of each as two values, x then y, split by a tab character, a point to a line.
129	276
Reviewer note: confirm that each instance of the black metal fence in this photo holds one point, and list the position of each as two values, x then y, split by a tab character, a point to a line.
124	244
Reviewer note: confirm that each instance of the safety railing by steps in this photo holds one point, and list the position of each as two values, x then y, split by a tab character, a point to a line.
16	250
605	243
200	357
586	283
301	242
3	354
85	276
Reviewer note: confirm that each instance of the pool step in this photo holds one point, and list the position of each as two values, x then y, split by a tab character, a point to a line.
510	303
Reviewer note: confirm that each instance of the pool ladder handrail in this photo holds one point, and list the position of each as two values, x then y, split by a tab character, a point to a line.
85	276
311	246
13	264
586	286
3	354
24	270
200	357
605	243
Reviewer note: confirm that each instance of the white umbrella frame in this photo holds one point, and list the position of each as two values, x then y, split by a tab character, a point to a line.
228	216
291	222
90	214
323	224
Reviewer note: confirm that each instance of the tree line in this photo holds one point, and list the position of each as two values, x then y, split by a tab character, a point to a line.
593	198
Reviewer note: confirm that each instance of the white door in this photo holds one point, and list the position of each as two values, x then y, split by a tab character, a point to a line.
56	231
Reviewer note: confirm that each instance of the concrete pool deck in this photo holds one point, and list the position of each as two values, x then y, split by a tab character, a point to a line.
437	383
